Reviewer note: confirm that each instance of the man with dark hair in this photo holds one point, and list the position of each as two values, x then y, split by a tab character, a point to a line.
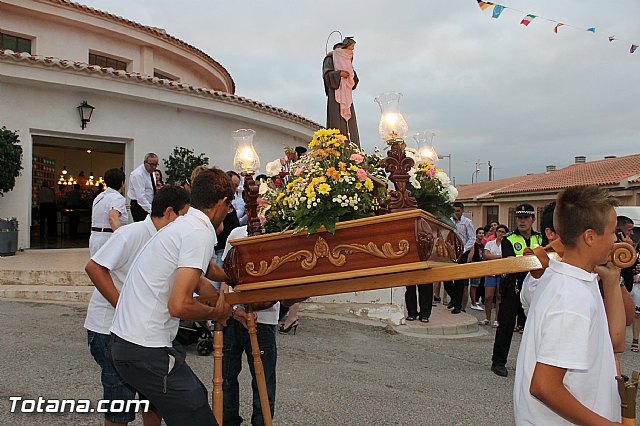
513	244
142	187
108	269
108	211
158	292
464	230
238	201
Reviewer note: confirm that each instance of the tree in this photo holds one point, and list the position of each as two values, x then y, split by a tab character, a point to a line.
10	159
181	163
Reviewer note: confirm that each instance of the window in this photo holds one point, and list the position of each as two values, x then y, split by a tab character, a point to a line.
164	75
106	62
492	214
15	43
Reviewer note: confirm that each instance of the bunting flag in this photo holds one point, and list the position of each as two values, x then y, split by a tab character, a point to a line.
497	10
484	5
527	19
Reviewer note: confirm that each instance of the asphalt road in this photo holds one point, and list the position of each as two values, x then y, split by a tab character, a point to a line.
330	372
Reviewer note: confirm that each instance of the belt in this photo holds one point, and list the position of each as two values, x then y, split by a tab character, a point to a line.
93	228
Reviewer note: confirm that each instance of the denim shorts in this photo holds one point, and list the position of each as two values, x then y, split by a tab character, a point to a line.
492	280
475	282
113	385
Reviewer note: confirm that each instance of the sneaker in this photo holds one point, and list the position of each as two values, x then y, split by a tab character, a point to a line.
450	305
476	307
456	311
500	370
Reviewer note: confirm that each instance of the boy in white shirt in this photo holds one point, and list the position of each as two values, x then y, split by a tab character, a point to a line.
566	369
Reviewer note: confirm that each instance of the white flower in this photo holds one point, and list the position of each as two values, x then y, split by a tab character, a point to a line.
453	193
274	167
413	178
263	188
443	178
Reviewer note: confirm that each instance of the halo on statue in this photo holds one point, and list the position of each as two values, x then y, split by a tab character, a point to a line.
326	45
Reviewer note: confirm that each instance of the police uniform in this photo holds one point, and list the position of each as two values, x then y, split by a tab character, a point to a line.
513	244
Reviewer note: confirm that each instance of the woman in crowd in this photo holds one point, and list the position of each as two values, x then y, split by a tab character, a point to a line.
493	250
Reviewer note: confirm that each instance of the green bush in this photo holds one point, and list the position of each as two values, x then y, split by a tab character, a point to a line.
181	163
10	159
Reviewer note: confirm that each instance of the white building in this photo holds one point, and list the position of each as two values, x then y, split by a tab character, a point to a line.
151	93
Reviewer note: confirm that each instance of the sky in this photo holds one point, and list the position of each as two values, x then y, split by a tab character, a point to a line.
491	90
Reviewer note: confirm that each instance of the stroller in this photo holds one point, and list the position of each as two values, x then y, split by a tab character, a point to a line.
190	332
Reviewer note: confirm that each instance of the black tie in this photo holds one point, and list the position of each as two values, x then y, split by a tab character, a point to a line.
153	183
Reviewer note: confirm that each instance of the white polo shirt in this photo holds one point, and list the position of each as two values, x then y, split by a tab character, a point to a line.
142	315
117	255
266	316
106	201
567	328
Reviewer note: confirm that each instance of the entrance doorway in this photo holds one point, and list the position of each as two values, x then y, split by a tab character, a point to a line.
73	170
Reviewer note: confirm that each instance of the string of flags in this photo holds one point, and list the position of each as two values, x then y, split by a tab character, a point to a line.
529	17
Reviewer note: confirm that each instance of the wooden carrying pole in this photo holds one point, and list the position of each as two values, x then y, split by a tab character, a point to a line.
258	368
216	398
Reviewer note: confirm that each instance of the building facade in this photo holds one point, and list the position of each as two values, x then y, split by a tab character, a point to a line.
151	92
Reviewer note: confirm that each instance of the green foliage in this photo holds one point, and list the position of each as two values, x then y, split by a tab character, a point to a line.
180	164
10	159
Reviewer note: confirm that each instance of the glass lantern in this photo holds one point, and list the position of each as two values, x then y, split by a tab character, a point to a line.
392	124
246	160
426	151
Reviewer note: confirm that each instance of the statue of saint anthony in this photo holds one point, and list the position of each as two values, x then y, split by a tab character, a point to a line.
339	81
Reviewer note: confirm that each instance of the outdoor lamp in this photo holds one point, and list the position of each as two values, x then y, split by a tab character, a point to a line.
392	124
85	111
427	152
246	162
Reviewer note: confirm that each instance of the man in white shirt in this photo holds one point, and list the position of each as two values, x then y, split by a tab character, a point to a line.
464	230
142	187
158	292
237	342
108	211
108	269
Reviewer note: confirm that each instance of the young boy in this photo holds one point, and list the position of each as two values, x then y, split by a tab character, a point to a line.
566	369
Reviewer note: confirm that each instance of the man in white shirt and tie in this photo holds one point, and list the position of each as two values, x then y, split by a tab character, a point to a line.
142	187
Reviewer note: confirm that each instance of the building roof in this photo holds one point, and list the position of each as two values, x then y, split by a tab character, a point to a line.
82	67
619	171
155	32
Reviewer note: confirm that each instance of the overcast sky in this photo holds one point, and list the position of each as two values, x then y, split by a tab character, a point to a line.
491	89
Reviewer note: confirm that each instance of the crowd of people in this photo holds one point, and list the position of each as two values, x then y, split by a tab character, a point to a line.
147	273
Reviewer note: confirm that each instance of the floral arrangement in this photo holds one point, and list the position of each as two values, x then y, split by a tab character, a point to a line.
332	182
431	187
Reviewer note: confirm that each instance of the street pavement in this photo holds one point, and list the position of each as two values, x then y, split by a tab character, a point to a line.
330	373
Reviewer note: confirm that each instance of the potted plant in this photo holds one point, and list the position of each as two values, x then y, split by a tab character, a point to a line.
10	166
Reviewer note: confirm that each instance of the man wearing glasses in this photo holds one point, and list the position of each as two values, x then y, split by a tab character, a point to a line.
142	187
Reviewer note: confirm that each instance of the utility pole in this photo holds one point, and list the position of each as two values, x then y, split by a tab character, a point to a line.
490	171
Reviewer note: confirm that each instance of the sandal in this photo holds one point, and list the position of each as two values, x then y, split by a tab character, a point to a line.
634	345
411	317
484	322
495	324
425	320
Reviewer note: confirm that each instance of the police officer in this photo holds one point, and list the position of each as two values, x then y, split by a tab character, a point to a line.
513	244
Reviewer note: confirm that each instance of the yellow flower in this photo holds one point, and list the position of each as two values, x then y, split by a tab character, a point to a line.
368	184
324	188
311	193
279	197
353	168
342	165
358	185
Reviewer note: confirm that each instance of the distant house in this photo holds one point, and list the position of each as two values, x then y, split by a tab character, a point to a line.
151	93
495	200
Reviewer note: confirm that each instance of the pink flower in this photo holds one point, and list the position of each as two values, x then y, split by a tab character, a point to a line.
431	173
362	175
357	158
299	171
283	161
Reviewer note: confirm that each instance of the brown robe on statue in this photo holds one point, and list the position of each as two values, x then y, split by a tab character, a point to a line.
331	79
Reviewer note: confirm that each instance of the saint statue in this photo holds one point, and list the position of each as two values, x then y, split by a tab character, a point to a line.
339	81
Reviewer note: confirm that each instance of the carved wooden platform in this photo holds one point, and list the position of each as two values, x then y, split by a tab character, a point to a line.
397	242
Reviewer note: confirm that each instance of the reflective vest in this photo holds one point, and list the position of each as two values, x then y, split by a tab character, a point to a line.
519	243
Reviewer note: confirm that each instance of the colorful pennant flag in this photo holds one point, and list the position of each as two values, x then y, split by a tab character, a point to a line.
484	5
611	38
633	48
497	10
592	29
527	19
555	29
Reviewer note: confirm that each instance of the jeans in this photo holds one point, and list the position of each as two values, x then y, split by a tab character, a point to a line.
237	342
